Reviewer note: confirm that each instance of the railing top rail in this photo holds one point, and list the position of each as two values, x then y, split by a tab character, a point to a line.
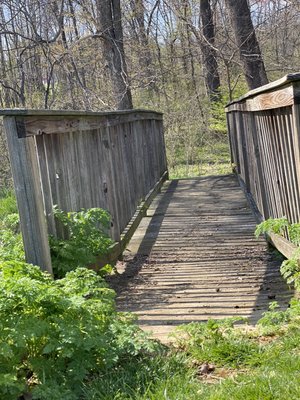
269	87
17	112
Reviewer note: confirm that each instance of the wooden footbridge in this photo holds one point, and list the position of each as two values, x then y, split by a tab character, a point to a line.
188	245
194	257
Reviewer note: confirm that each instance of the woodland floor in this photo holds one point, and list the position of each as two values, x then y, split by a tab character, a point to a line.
194	257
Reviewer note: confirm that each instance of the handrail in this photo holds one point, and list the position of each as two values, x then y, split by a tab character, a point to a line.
287	79
81	159
264	133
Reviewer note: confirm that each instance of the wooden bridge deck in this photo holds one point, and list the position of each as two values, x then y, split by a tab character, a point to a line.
194	257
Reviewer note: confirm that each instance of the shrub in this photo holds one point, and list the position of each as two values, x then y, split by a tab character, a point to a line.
272	225
8	204
290	268
87	232
55	334
11	245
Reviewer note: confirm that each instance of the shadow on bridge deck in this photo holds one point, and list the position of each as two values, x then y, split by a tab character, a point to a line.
194	257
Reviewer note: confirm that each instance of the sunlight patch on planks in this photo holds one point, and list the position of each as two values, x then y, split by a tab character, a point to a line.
194	257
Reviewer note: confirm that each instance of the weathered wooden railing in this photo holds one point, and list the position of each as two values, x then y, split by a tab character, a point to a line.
264	132
75	160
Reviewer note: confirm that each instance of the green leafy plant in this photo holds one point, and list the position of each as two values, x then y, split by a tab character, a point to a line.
87	232
290	268
55	334
217	120
272	225
274	318
11	245
294	233
218	343
8	204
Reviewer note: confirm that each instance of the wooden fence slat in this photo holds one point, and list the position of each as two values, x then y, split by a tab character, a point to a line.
81	160
25	170
46	186
266	141
261	179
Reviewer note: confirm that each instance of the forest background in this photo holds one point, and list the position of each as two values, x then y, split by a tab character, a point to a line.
186	58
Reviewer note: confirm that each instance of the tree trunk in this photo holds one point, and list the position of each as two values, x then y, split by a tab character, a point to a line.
110	29
212	77
250	53
141	37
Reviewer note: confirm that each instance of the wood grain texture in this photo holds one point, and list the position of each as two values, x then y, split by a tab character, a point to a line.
290	79
40	125
85	160
16	112
194	257
266	101
101	167
285	247
264	134
25	170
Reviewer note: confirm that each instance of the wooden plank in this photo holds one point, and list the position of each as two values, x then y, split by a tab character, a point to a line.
117	248
286	80
292	149
141	212
109	160
113	198
75	113
162	147
240	132
56	179
288	163
192	269
296	146
281	154
122	188
267	101
25	170
281	244
245	149
53	124
46	183
234	141
267	164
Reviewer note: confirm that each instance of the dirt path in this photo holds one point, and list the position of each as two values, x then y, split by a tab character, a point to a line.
194	257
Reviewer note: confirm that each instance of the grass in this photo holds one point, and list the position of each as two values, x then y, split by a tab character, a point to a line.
262	363
164	376
213	159
250	364
8	204
11	245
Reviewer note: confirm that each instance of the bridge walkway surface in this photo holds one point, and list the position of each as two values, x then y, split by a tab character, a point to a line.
194	257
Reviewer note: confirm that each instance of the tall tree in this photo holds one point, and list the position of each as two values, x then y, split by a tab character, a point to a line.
140	36
209	52
111	32
247	42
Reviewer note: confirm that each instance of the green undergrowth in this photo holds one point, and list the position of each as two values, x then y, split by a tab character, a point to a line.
56	334
290	268
87	239
8	204
85	231
246	363
212	158
11	246
64	339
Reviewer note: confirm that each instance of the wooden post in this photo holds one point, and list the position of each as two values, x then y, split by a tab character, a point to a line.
296	134
26	175
261	182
